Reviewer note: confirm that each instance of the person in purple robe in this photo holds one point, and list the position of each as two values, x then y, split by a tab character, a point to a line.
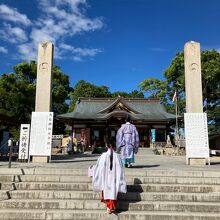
127	141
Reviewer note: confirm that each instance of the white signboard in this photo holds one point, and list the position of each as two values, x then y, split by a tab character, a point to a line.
24	142
41	133
196	133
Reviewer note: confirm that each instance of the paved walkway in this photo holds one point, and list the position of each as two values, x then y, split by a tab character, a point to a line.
144	160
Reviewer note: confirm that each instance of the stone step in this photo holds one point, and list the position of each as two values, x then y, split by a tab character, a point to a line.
7	178
183	180
175	180
131	188
7	214
7	186
53	186
4	195
170	206
182	173
172	188
129	179
130	196
16	171
123	205
44	178
41	170
101	214
136	172
59	178
51	204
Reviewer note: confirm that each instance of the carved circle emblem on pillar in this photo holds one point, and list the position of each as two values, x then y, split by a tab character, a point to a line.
43	67
193	67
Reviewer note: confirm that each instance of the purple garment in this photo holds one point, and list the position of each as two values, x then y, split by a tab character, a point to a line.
128	140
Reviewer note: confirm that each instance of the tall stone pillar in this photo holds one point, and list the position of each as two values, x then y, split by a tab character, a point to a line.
44	84
193	79
44	77
193	85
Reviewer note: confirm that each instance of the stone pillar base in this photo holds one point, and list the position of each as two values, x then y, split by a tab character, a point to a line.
40	159
197	161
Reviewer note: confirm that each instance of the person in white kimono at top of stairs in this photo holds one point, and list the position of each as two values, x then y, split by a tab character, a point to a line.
108	178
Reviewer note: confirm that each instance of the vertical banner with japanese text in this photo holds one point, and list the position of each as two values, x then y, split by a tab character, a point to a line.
41	133
24	142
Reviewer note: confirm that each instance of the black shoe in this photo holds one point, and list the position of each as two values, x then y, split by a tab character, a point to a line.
126	165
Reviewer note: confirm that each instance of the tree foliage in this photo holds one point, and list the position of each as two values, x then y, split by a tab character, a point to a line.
156	88
60	91
86	89
17	92
16	96
175	80
136	94
132	94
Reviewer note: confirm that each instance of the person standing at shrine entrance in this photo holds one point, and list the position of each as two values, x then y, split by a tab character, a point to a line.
127	141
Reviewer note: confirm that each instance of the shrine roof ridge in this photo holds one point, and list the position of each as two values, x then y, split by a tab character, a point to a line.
104	99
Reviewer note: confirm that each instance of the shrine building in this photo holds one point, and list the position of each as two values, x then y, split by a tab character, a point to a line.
94	119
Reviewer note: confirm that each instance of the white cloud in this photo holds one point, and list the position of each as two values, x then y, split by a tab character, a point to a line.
42	35
27	51
58	20
13	34
11	14
79	53
64	18
76	58
66	47
86	52
3	50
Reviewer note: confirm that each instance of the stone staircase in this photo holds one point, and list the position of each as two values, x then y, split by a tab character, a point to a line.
51	193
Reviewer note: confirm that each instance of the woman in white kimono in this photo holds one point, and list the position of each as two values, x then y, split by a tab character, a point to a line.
108	178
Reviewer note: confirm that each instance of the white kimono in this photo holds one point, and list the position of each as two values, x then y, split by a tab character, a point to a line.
109	181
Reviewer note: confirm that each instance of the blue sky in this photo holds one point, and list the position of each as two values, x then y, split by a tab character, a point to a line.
117	43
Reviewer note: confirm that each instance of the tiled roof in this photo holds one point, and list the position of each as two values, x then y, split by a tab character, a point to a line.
103	108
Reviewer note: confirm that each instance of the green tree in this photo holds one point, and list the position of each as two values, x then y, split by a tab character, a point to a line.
175	80
132	94
86	89
17	92
120	93
136	94
26	72
60	95
16	97
155	88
